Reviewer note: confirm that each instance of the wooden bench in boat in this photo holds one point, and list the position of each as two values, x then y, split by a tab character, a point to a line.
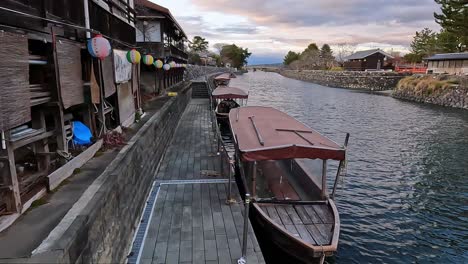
311	223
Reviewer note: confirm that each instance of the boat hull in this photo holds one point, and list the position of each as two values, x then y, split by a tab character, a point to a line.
277	246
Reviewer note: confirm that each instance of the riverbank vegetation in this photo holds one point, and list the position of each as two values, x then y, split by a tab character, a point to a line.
453	37
428	85
445	90
312	58
228	54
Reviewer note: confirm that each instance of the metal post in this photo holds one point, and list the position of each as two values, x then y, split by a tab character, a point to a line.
243	259
324	179
230	200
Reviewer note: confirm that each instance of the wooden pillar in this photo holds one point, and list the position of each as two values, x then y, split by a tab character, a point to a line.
60	129
41	147
7	156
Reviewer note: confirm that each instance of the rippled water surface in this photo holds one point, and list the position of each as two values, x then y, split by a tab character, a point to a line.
405	197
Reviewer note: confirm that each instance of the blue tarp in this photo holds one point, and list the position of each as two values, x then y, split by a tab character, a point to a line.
81	134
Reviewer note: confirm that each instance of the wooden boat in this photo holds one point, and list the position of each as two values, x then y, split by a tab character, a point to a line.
282	164
222	79
227	98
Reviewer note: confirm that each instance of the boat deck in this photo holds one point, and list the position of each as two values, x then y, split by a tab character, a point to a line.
311	223
188	220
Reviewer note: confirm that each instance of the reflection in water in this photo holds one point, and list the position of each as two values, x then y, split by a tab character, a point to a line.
405	198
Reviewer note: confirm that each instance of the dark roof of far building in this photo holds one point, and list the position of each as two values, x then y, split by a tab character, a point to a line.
449	56
161	9
366	53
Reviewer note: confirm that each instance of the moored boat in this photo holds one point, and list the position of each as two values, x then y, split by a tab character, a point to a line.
227	98
223	79
282	165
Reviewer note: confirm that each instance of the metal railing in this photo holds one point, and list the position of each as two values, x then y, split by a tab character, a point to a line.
228	165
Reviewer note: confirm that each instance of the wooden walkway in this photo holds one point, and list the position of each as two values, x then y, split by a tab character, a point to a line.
190	222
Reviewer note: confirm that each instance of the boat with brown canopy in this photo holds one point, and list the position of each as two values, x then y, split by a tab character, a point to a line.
282	165
227	98
223	79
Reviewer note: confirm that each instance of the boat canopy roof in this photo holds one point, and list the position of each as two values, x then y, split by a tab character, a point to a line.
223	77
264	133
225	92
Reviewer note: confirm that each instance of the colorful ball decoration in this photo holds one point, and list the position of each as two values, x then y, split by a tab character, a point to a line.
167	67
133	56
99	47
148	60
172	63
159	64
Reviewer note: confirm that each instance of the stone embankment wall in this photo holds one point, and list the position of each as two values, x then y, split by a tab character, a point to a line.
442	90
372	81
194	71
103	231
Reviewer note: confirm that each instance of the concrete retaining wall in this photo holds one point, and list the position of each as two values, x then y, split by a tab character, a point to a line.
373	81
103	231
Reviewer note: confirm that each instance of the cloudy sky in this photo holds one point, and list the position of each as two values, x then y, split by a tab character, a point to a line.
271	28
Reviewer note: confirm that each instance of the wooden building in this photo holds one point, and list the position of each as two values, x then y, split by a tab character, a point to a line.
448	63
368	60
48	81
160	35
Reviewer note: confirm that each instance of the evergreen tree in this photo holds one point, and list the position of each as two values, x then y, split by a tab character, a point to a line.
290	57
198	44
454	19
424	43
236	55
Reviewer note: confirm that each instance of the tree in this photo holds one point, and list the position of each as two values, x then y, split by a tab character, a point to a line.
311	48
236	55
412	58
194	58
290	57
454	19
343	50
447	42
219	46
424	43
326	55
198	44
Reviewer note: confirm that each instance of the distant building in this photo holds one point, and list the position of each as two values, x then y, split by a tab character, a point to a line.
450	63
158	32
374	59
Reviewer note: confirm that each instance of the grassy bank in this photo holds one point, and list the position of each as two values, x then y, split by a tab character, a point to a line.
428	85
446	90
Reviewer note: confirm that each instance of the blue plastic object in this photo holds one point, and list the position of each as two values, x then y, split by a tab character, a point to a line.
81	134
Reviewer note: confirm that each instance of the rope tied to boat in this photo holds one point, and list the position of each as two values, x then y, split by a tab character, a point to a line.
322	258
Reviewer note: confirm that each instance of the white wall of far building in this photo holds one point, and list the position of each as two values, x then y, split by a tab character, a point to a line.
449	66
151	32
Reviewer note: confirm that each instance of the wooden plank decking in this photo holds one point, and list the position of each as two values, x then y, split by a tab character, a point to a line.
311	223
191	222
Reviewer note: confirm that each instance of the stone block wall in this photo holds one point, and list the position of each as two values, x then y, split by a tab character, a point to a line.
194	72
104	230
435	89
372	81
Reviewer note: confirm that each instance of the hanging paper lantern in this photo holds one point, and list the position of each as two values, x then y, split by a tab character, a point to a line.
148	60
99	47
159	64
167	67
172	63
133	56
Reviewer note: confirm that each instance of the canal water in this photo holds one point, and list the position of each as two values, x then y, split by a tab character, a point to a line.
405	196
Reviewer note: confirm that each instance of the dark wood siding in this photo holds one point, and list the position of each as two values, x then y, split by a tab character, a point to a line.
15	107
